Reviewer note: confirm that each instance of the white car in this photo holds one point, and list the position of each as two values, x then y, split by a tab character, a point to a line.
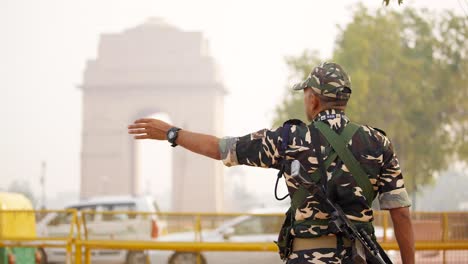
115	226
245	228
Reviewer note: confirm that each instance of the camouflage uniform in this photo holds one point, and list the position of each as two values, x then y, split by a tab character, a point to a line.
370	147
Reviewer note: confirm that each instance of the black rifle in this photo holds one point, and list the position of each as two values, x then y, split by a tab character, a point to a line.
363	245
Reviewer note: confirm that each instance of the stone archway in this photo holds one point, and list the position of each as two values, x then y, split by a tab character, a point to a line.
151	68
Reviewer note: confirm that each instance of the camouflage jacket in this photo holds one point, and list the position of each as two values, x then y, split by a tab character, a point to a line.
369	146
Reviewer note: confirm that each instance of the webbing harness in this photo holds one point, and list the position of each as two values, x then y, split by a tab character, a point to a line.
339	149
339	144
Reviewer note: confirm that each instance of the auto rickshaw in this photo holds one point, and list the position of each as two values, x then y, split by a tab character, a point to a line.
17	220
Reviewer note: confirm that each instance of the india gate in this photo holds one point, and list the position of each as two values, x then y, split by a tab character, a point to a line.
148	69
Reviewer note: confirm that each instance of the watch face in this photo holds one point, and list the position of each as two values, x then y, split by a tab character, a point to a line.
171	134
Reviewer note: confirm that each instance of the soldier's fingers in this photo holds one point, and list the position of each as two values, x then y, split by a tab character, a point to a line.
137	126
142	137
137	131
143	120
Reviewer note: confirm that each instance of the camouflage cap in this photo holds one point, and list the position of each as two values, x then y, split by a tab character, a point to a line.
328	79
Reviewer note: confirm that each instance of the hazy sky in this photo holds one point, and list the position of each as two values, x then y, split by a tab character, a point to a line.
45	44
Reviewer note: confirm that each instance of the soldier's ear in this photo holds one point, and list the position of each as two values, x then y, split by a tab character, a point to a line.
314	100
306	98
308	94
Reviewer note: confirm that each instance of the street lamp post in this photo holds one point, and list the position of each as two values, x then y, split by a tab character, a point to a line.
42	182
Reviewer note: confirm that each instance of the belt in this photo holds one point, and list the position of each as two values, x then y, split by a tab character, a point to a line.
318	242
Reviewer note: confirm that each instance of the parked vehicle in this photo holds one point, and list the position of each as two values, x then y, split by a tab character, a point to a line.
246	228
17	224
118	225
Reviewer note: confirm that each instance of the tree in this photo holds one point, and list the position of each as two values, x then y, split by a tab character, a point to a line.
386	2
409	75
292	106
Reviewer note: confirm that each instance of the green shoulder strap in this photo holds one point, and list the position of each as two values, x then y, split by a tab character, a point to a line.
300	195
339	144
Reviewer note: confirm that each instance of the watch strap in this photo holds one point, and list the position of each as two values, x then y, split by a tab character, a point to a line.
173	139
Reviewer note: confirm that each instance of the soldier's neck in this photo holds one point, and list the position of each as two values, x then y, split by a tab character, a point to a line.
326	111
329	114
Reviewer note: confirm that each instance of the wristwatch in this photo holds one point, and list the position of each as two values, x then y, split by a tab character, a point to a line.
172	134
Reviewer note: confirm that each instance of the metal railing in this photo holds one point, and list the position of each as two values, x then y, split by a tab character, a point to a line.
14	222
441	236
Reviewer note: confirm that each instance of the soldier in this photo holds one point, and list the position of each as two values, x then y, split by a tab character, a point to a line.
326	93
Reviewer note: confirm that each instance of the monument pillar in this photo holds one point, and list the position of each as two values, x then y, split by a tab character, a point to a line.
144	70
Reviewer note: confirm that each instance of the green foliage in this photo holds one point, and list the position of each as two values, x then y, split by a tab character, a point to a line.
409	75
386	2
292	105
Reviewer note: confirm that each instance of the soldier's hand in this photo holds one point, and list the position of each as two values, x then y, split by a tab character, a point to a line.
149	128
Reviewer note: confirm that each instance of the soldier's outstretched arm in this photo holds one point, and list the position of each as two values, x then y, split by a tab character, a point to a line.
149	128
256	149
404	233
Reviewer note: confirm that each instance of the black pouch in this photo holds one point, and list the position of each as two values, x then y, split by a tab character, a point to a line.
285	238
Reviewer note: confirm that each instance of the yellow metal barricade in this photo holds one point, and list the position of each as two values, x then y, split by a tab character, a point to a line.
10	219
440	237
443	233
173	223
